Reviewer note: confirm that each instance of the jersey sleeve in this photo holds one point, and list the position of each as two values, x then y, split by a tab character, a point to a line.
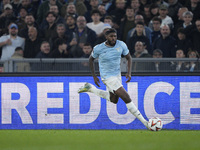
125	49
95	53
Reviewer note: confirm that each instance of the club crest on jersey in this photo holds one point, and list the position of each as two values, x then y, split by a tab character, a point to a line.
118	49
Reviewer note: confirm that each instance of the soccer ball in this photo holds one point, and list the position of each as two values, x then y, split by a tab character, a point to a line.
155	124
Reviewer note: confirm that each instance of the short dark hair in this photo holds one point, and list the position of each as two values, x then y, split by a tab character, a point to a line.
140	23
110	30
44	42
157	51
156	18
72	16
181	30
18	48
87	44
23	8
109	17
95	11
154	5
30	14
50	12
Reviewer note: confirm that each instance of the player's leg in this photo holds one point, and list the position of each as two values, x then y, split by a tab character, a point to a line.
121	92
101	93
114	98
91	88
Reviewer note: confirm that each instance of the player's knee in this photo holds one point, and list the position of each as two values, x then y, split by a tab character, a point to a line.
114	100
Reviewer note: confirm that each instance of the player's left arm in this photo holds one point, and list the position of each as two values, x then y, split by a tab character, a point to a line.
129	60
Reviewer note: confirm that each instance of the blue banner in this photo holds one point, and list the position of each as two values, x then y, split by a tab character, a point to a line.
53	103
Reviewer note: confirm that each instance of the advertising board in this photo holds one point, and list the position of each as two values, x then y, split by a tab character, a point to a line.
52	102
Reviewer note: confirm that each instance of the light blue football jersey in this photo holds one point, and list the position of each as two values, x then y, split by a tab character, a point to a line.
109	58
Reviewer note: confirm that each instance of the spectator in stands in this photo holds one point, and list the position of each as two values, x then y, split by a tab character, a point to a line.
193	66
71	10
187	18
10	42
50	29
156	28
70	23
44	8
21	18
154	10
102	11
61	34
163	11
118	13
160	2
159	66
107	4
36	3
183	43
2	4
59	19
68	8
147	31
109	20
29	7
43	54
193	33
16	4
194	7
20	66
102	38
174	6
61	50
6	17
140	52
127	24
87	49
147	14
96	25
166	43
81	9
179	66
32	43
135	5
30	22
138	36
44	50
93	6
180	14
144	3
82	35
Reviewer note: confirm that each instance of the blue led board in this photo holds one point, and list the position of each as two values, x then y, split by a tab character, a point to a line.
53	103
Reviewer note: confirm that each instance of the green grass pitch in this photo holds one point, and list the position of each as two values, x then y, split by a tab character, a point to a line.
99	140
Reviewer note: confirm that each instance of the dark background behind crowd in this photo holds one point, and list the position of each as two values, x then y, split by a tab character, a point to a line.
66	28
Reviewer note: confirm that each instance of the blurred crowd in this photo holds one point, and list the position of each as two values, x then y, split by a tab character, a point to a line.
71	28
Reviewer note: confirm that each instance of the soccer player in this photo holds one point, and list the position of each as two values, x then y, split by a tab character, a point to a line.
109	57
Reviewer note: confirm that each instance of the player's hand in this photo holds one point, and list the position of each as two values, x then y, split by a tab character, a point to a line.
96	80
128	77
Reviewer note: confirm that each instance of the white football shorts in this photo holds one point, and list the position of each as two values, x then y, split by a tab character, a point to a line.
113	83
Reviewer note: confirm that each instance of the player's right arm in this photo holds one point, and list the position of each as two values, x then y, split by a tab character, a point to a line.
91	63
